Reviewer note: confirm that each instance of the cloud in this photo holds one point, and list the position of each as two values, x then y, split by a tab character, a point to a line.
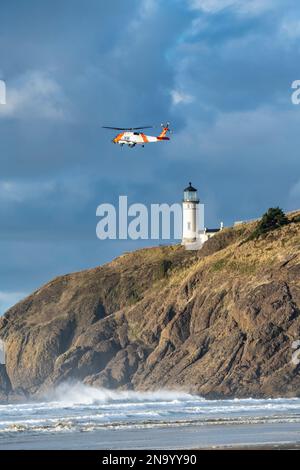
70	188
211	6
179	97
219	71
244	7
21	191
242	136
232	63
35	94
146	9
290	27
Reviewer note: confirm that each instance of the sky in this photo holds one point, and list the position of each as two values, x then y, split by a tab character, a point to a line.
219	70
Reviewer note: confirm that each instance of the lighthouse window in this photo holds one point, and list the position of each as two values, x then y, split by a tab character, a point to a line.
189	225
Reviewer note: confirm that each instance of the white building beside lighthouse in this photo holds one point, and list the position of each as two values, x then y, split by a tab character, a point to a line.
194	234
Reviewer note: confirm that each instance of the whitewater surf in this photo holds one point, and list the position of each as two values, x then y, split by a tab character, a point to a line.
85	417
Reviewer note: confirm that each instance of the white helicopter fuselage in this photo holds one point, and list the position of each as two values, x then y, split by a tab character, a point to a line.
134	138
138	138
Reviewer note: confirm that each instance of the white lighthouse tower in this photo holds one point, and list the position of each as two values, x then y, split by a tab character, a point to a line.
190	215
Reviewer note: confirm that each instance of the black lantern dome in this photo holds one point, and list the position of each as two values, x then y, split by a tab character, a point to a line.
190	194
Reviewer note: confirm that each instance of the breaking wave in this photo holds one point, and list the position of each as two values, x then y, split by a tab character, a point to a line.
79	393
77	407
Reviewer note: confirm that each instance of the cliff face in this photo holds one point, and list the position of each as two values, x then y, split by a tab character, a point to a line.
219	322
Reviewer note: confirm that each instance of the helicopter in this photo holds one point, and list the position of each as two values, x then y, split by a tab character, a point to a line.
133	136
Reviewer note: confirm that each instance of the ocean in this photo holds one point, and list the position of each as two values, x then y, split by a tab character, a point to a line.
76	416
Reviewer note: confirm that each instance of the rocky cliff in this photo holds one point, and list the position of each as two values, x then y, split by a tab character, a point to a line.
220	321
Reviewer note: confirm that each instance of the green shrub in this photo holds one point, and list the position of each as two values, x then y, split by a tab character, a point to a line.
271	220
162	269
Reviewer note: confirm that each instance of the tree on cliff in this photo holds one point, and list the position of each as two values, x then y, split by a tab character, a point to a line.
271	220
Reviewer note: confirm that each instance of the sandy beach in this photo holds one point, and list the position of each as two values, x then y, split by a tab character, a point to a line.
262	436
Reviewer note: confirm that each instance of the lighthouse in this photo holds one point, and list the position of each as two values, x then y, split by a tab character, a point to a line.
190	215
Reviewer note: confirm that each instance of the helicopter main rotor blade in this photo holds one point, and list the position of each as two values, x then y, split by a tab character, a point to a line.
126	128
137	128
115	128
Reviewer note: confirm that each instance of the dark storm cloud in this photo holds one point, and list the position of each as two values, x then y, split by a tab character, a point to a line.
221	76
241	129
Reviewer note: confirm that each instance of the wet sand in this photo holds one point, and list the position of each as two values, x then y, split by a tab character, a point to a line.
243	436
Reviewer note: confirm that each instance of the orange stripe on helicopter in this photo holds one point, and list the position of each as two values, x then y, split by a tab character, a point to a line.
144	137
119	137
164	131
